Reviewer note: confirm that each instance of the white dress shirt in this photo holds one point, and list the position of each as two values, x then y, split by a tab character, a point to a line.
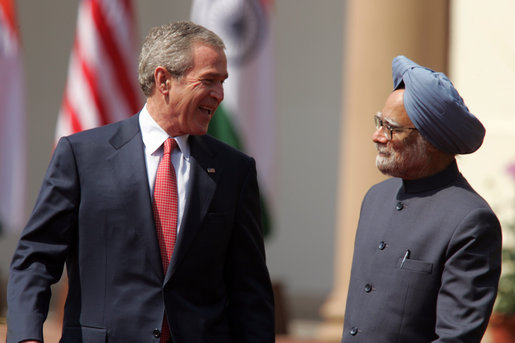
153	138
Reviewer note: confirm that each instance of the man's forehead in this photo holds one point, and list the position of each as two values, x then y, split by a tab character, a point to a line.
394	111
209	61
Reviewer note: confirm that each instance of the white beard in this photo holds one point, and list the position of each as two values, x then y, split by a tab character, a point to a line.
407	161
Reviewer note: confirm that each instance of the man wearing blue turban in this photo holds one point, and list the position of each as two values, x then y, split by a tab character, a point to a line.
427	254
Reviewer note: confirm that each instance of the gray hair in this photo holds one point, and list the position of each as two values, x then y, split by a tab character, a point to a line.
169	46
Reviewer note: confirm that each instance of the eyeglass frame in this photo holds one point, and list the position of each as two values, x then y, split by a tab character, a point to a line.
380	123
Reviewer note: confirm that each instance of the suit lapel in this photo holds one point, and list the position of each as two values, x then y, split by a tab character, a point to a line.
204	173
129	167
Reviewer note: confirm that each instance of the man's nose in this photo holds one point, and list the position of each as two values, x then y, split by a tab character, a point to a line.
378	136
217	92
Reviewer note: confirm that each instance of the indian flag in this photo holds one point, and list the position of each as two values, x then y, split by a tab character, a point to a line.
246	117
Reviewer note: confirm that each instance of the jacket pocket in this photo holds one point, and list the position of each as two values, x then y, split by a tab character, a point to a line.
416	266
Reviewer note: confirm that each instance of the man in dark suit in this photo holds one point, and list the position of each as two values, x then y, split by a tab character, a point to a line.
98	211
427	254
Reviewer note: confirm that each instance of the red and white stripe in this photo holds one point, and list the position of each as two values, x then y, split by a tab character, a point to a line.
102	82
12	122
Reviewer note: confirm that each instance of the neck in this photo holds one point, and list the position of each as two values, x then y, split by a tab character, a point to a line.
436	162
157	111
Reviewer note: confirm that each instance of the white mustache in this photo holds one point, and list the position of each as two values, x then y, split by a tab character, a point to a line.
381	149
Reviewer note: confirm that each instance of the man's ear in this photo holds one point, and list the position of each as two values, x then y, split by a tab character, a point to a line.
162	80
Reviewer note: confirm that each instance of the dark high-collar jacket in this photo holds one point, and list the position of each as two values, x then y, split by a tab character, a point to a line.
426	265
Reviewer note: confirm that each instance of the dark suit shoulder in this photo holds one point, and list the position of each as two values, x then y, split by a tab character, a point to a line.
457	192
129	126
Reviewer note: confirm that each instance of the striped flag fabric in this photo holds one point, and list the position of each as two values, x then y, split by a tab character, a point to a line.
101	86
12	123
246	118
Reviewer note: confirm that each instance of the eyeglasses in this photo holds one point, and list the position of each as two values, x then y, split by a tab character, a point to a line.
388	129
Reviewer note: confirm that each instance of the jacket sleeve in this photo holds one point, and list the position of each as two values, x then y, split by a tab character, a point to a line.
470	278
251	305
42	249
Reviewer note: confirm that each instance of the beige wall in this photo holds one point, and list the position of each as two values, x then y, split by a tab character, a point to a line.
482	67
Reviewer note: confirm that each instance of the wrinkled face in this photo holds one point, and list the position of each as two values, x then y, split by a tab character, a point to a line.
196	95
406	154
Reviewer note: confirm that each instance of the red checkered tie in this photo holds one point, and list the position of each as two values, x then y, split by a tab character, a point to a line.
165	213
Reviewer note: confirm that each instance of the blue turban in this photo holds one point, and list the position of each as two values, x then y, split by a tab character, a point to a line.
436	109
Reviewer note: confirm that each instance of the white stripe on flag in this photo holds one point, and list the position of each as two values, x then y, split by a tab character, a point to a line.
246	29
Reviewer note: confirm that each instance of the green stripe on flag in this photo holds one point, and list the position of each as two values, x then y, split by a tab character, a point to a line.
222	128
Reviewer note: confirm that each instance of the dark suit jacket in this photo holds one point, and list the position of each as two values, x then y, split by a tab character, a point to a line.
445	289
94	213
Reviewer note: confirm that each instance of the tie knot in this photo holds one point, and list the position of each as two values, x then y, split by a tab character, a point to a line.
169	145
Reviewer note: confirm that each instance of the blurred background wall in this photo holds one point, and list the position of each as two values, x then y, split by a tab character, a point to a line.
313	63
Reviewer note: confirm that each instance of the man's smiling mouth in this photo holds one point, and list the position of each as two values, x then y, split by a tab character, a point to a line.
206	109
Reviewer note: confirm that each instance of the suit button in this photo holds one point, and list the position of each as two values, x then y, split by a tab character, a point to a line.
399	206
354	331
156	333
382	245
368	288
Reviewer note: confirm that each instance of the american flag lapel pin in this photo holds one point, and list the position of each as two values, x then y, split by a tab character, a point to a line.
211	170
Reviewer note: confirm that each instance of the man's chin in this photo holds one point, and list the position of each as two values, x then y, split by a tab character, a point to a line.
199	129
383	165
381	160
199	132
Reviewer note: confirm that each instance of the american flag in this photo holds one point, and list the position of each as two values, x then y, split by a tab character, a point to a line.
102	86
